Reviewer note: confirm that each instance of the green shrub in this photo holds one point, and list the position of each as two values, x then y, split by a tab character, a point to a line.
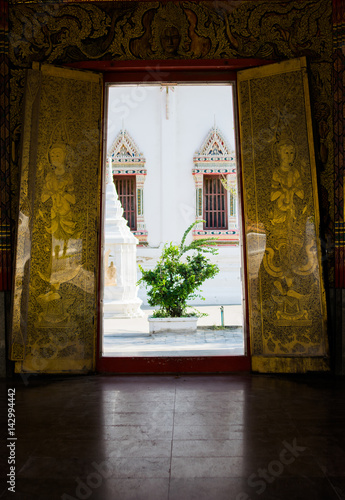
173	282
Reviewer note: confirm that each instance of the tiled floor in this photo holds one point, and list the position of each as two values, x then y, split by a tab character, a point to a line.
130	337
234	437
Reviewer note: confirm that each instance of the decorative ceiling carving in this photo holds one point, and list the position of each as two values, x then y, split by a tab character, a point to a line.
67	32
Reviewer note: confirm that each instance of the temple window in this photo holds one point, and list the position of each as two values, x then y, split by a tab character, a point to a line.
215	203
215	176
129	174
126	191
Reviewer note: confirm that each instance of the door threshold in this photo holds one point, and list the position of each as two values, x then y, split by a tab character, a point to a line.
173	364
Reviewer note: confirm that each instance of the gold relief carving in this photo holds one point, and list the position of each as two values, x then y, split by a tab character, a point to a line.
59	187
286	185
238	29
24	229
288	364
48	32
63	153
286	297
140	46
17	352
66	248
54	309
170	31
293	255
200	46
153	30
165	35
170	41
17	79
288	29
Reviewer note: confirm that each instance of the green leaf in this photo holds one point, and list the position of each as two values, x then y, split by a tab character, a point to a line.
173	282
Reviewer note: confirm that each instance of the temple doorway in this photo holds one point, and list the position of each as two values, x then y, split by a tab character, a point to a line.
171	162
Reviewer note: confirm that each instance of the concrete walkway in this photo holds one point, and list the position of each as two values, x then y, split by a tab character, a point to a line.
130	337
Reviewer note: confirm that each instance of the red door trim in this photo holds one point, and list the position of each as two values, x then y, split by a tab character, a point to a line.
171	71
185	65
169	365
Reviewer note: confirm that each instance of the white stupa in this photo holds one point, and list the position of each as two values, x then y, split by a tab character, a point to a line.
120	270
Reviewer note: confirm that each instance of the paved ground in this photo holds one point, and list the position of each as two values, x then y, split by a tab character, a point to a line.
130	337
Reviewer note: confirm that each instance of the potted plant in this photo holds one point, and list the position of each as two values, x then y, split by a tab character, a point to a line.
175	280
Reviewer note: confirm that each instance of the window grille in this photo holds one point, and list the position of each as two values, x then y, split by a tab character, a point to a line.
215	203
125	187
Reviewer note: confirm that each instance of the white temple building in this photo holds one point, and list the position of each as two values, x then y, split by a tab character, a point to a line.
174	163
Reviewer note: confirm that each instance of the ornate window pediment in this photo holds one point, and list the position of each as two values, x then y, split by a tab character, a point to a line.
127	160
215	155
125	154
215	159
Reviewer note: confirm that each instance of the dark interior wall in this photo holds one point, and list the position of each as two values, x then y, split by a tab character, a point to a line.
337	296
64	32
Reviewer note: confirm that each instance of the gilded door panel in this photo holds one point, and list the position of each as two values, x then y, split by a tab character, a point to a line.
287	308
54	306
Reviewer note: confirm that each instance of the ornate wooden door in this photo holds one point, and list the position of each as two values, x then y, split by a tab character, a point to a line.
287	307
55	293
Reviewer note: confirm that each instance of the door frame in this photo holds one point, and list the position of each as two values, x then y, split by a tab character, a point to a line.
189	71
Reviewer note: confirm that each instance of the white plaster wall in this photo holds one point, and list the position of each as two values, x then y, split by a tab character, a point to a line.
138	110
169	146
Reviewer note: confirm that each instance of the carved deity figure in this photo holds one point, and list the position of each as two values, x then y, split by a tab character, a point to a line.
286	185
169	32
59	187
289	257
170	40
